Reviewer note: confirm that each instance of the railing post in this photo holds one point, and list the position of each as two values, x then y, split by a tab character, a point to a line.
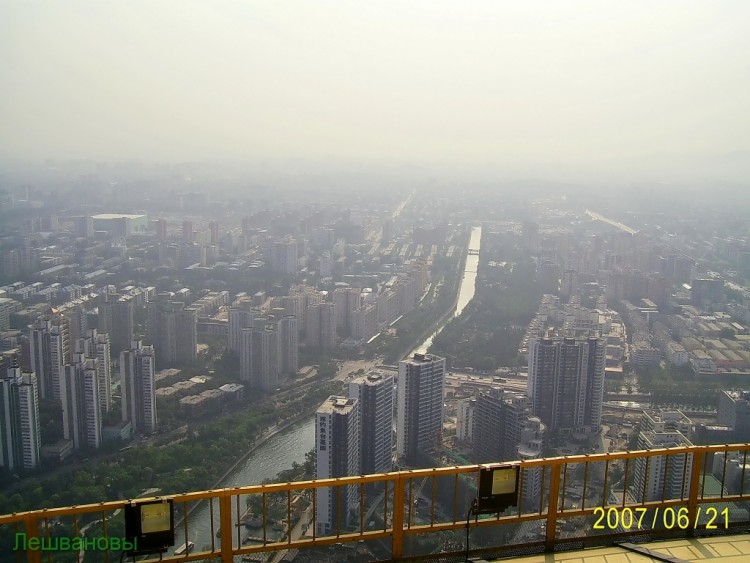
399	491
225	519
695	482
31	527
554	495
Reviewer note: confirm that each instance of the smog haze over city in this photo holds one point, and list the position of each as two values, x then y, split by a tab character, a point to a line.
530	88
255	243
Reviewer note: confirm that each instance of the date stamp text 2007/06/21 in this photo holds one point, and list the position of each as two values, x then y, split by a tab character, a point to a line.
640	518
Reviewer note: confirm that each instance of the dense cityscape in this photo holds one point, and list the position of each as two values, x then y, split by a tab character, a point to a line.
417	332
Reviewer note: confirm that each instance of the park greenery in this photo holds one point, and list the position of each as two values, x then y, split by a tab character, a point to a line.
193	462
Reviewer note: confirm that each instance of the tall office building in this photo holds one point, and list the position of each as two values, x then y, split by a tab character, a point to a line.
661	477
82	423
137	370
566	382
419	419
20	437
288	344
336	455
499	418
374	392
49	351
116	319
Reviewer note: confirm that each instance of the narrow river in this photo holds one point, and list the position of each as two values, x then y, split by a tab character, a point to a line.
465	290
276	454
288	446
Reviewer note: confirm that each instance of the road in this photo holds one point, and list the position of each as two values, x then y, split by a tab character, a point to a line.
612	222
349	368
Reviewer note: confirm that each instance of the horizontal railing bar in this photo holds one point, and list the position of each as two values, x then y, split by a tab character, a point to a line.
324	540
384	477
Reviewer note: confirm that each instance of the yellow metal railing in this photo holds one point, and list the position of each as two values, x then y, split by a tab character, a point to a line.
591	499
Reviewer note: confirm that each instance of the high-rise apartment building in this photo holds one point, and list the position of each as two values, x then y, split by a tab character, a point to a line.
246	354
336	455
734	411
102	349
84	226
374	392
20	437
116	319
531	446
288	345
285	256
465	409
346	301
241	316
261	355
499	418
327	326
173	331
213	228
265	357
419	418
661	477
95	345
187	231
76	320
663	420
137	370
566	382
49	348
82	423
160	226
312	325
320	326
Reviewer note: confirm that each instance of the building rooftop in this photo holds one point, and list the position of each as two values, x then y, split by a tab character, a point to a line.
341	405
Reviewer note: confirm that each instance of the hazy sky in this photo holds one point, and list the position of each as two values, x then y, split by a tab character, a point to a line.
429	81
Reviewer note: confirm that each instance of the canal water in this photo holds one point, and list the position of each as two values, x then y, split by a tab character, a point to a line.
290	445
277	453
465	290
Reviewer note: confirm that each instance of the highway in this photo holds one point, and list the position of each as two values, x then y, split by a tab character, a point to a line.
598	217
